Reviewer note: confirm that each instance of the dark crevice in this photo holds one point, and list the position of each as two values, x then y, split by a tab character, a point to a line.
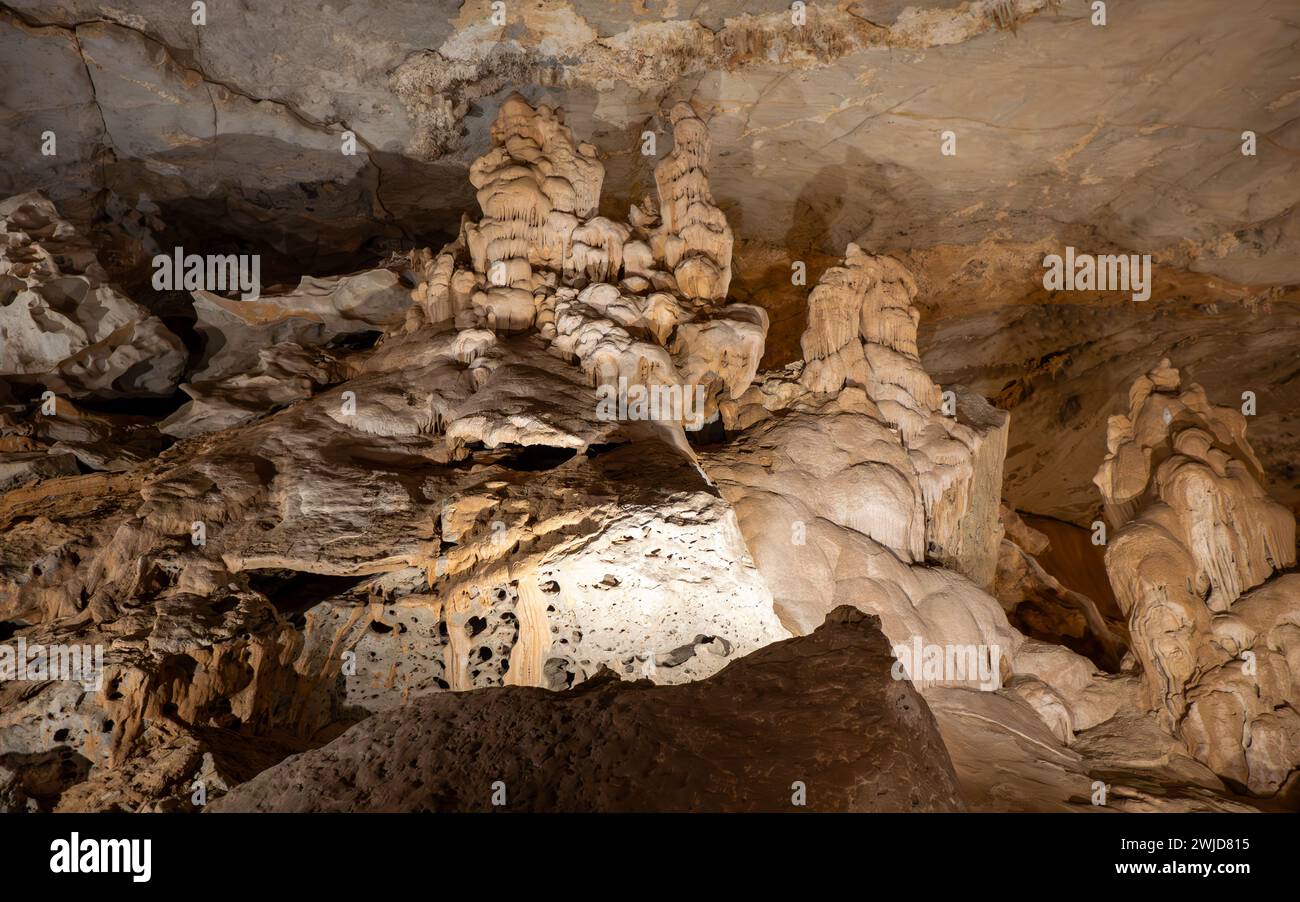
599	448
355	341
294	591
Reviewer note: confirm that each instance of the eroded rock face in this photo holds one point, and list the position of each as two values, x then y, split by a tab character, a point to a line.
264	353
740	740
525	565
1192	559
314	313
62	326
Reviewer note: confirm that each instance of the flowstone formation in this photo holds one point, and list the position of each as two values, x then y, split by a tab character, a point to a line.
858	480
1194	561
849	451
862	331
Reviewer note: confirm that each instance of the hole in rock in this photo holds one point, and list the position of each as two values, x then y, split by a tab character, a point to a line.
225	605
9	288
355	341
294	591
603	448
535	458
44	776
558	673
711	433
139	407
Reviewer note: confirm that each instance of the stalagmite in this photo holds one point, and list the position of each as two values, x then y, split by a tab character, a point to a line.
1193	559
693	241
862	334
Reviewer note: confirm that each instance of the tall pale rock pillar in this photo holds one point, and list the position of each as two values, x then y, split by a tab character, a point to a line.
862	333
539	190
1195	546
694	240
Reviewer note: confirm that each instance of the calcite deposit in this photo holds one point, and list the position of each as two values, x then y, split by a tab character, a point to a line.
1194	560
648	409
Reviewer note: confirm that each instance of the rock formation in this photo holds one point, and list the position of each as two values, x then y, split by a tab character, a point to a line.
1195	541
852	453
264	353
821	135
862	332
693	240
434	517
639	307
61	326
346	530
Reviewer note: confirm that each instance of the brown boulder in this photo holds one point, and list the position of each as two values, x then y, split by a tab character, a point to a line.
822	710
